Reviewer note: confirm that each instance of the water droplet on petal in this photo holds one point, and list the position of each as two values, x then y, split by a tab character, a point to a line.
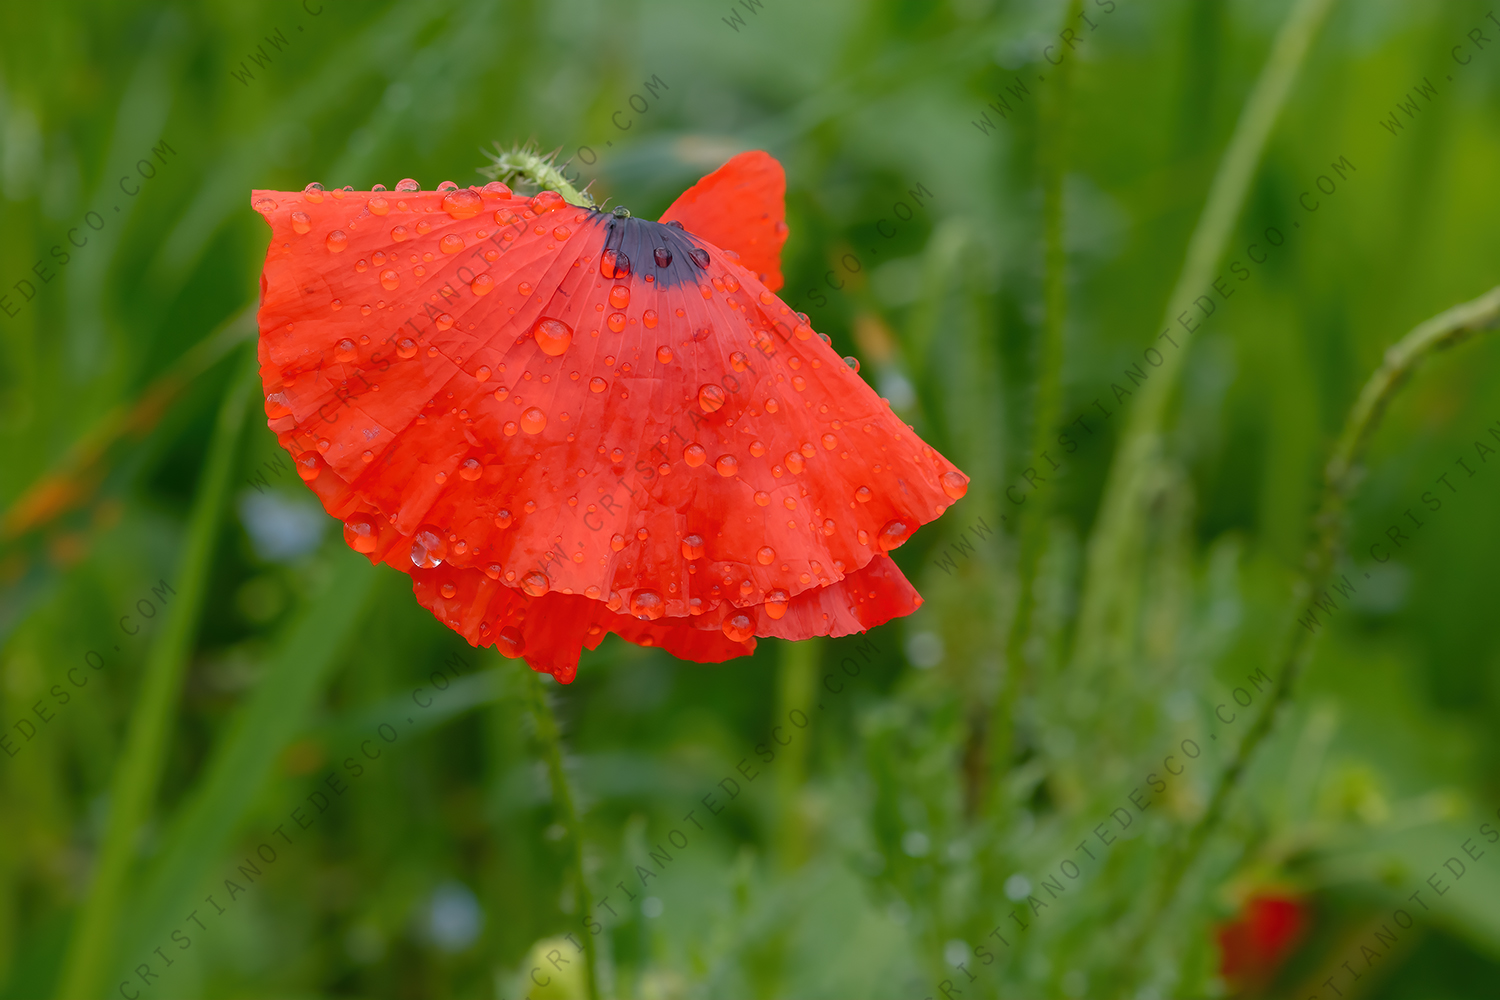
452	243
276	405
863	494
534	584
738	361
337	242
378	206
499	188
616	321
763	498
692	547
561	233
650	319
852	362
617	542
776	602
406	348
447	590
765	555
463	204
313	192
533	420
389	280
830	442
400	233
510	642
795	463
892	535
710	397
955	485
738	628
470	469
829	527
344	350
503	519
647	605
265	205
727	465
547	201
663	257
482	373
552	335
361	534
309	465
619	296
694	455
614	264
664	354
802	330
799	383
482	285
510	428
300	222
699	256
428	548
408	184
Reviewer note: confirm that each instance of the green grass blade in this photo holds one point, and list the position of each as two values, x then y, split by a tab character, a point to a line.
138	773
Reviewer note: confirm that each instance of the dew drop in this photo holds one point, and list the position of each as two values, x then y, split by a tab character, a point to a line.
561	233
503	519
699	256
482	373
534	584
802	330
276	405
727	465
692	547
955	485
864	537
378	206
799	383
830	442
510	428
710	397
790	503
829	527
406	348
597	384
428	549
765	555
389	280
344	350
447	590
852	362
552	335
482	285
533	420
772	406
619	296
738	628
470	469
762	498
264	205
452	243
300	222
546	201
361	533
776	603
337	242
463	204
616	321
650	319
510	642
647	605
892	535
498	188
614	264
309	465
617	542
400	233
738	361
795	463
757	448
444	321
313	192
524	288
664	354
407	184
663	257
694	455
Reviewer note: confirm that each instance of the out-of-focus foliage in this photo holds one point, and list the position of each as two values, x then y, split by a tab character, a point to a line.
952	766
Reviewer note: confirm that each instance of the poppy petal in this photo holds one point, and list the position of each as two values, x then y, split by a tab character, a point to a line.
740	207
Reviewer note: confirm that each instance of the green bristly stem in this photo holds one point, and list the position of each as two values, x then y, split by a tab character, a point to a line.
1342	476
549	737
1052	163
531	166
138	774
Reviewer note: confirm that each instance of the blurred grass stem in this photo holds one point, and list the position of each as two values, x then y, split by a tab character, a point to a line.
138	773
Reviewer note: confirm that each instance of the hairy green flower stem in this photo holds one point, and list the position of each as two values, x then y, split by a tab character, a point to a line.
1052	163
562	800
1342	477
525	163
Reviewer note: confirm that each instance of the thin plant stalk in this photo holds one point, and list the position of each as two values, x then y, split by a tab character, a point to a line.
1116	541
1342	477
138	774
1053	164
550	739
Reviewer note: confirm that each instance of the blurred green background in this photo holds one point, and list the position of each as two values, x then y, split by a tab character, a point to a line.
984	737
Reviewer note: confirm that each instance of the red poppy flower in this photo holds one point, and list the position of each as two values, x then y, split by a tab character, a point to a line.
564	422
1254	946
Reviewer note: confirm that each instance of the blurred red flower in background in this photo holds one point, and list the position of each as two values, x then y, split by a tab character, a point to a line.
563	422
1255	945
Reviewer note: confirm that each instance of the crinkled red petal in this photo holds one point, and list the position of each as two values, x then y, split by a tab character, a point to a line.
690	446
740	207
